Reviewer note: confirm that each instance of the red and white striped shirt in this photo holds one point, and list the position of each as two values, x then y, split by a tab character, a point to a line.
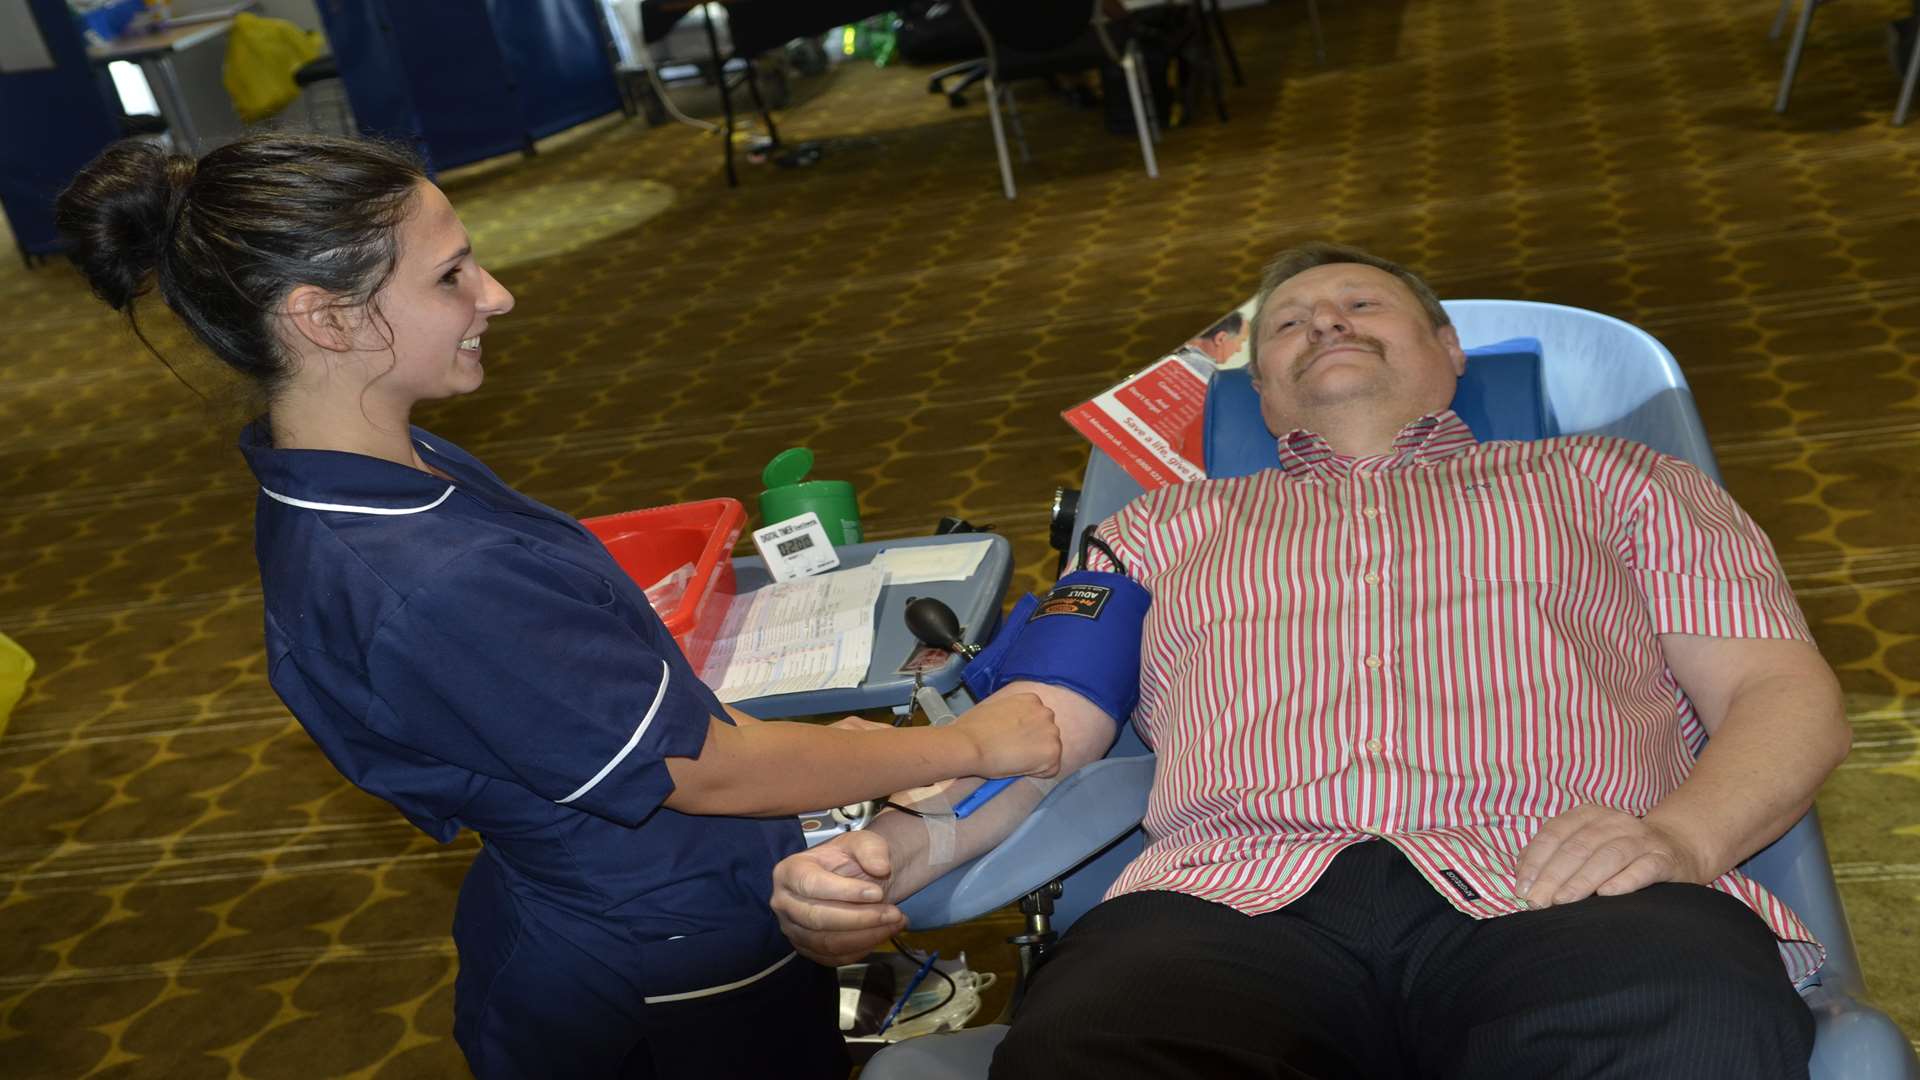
1442	647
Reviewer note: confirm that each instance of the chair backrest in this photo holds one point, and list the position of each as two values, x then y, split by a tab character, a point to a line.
1501	396
1027	27
1596	375
759	27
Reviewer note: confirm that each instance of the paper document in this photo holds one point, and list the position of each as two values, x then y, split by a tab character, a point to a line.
1153	423
814	633
937	562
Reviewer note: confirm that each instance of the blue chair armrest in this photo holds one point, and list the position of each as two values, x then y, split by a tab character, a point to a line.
1855	1041
959	1055
1087	811
1795	868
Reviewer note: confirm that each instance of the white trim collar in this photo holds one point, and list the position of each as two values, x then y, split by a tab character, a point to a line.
306	504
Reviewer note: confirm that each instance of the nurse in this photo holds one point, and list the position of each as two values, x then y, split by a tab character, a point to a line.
476	658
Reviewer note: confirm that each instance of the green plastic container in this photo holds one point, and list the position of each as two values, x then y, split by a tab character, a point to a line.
789	494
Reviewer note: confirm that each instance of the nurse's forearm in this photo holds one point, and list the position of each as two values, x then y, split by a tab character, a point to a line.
777	768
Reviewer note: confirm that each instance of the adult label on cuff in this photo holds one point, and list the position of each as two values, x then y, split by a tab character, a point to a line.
1082	600
795	548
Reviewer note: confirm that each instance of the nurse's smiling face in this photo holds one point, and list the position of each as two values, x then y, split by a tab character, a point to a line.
432	312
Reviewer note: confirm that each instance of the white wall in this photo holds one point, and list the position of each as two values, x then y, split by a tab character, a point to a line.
301	13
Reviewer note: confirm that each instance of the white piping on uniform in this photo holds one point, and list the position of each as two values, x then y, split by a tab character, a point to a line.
658	696
306	505
662	999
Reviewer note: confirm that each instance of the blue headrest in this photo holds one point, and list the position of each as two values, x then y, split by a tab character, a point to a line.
1501	396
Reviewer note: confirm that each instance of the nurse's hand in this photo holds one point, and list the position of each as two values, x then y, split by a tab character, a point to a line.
1014	734
831	899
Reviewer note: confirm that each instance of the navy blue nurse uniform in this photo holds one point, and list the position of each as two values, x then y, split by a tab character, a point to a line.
478	660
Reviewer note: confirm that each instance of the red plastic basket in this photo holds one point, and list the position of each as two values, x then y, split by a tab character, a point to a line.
650	544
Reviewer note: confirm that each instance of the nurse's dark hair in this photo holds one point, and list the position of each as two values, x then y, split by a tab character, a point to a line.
224	239
1298	260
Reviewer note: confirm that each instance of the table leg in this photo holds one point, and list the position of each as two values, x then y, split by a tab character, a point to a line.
173	101
1210	10
759	102
726	99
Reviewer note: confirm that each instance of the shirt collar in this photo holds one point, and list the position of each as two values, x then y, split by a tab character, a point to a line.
338	481
1425	440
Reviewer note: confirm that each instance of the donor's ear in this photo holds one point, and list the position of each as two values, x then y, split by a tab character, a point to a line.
1450	339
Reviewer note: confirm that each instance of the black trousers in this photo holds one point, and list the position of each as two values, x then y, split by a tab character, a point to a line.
1374	974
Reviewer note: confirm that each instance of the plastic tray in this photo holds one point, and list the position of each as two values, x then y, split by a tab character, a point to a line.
652	544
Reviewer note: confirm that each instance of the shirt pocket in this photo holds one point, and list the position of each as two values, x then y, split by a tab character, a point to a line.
584	580
1510	533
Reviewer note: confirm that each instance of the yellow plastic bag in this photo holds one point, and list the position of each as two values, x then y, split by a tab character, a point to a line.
15	666
262	55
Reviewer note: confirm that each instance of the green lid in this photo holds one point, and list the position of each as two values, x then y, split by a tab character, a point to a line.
787	467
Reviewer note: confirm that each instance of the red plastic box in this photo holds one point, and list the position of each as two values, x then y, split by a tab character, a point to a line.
653	543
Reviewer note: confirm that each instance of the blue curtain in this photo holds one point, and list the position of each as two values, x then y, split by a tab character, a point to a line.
558	52
369	64
52	123
463	80
464	95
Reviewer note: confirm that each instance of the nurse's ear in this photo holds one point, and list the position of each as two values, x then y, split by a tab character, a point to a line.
315	316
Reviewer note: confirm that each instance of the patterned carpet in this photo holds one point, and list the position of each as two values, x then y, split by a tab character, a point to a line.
187	889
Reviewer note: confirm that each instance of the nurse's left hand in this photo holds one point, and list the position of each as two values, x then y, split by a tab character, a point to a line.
831	899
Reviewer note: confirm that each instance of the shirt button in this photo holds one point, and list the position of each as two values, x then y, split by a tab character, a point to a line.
1372	579
1374	661
1373	745
1371	511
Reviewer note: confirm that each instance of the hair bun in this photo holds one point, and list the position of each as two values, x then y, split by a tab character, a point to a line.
116	215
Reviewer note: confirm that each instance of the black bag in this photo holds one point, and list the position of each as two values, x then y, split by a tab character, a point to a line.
936	32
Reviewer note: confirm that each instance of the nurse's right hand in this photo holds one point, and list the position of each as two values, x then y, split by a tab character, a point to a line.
1014	734
831	902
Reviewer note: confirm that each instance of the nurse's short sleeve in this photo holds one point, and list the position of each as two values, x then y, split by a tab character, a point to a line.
524	668
1703	565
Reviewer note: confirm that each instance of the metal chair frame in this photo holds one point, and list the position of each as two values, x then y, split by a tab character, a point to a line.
1902	108
1000	91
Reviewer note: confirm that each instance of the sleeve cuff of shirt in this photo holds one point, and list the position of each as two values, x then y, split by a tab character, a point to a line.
1729	609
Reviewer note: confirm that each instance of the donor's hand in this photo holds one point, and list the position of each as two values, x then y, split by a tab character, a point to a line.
831	901
1598	851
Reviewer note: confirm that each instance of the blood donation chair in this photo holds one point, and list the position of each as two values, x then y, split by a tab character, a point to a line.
1534	370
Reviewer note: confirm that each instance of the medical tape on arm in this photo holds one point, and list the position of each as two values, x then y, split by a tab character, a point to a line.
931	807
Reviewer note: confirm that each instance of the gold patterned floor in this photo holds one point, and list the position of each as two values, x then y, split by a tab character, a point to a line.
186	887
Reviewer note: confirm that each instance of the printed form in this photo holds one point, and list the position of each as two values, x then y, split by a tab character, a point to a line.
815	633
933	562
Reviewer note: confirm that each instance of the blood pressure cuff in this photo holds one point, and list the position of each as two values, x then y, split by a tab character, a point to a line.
1083	635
